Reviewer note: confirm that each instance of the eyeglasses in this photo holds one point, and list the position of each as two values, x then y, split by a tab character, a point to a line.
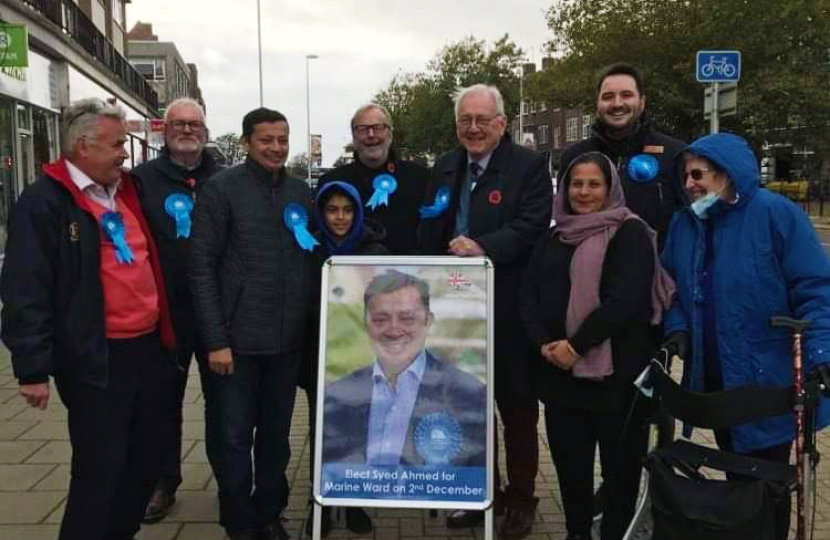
179	125
696	174
480	121
376	128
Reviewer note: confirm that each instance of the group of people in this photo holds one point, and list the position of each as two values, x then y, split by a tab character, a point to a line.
113	280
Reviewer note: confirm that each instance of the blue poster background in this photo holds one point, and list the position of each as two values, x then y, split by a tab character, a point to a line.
361	481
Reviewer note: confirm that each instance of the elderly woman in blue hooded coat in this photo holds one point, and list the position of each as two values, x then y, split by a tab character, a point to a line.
740	255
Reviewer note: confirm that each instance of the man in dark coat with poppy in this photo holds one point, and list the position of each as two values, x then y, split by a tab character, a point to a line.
492	198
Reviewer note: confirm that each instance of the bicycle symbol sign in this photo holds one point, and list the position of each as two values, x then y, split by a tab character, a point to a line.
718	66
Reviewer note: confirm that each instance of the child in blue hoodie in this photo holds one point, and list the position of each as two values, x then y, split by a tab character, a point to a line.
341	230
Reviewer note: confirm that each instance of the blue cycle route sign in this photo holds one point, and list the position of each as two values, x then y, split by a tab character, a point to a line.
718	66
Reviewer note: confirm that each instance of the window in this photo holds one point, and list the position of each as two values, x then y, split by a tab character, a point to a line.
151	69
557	137
572	131
118	12
543	106
524	107
544	134
586	126
533	106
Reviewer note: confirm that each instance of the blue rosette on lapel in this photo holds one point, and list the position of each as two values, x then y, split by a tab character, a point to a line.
113	225
179	206
296	219
643	168
385	185
442	202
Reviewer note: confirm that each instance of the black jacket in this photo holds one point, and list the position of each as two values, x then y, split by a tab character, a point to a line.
157	179
54	320
400	217
509	209
656	201
248	275
624	316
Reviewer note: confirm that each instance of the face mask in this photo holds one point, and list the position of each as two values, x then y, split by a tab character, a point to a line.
701	206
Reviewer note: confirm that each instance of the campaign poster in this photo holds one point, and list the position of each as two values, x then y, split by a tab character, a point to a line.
405	357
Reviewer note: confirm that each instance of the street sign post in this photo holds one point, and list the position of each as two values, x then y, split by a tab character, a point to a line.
717	67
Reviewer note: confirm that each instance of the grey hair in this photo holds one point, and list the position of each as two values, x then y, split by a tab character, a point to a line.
80	119
461	93
183	101
369	106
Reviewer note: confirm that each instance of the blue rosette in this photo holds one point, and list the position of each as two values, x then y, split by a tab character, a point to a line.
113	225
442	202
385	185
179	206
438	439
296	219
643	168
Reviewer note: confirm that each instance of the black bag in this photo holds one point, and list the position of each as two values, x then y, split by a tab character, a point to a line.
688	506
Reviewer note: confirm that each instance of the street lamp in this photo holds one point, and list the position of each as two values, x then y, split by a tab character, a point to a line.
259	46
308	113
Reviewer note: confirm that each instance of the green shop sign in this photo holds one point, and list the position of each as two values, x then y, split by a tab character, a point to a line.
14	45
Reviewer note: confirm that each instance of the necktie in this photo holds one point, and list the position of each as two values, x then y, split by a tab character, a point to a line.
463	215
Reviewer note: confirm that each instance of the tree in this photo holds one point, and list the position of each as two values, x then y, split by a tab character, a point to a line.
784	48
297	166
421	103
230	147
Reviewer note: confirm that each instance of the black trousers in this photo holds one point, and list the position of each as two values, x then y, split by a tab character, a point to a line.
521	448
251	410
573	435
780	454
171	475
117	436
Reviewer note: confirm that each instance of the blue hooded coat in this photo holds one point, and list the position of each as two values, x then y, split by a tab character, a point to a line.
766	261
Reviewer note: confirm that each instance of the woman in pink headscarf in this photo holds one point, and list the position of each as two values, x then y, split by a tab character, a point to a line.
593	291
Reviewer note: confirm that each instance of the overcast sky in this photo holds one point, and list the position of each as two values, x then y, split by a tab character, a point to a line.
361	45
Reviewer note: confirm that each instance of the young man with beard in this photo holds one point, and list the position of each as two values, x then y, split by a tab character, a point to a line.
373	156
168	187
622	131
249	276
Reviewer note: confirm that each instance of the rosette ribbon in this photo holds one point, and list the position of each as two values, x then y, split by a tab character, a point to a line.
643	168
438	439
385	185
113	225
442	202
179	206
296	219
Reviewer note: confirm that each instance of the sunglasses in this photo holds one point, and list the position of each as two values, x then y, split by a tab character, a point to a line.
696	174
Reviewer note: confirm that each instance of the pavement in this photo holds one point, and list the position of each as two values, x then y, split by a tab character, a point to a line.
34	476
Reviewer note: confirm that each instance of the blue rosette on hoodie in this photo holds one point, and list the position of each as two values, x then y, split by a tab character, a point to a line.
643	168
179	206
442	202
385	185
113	225
296	219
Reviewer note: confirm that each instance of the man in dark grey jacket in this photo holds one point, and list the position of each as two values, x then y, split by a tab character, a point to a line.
249	270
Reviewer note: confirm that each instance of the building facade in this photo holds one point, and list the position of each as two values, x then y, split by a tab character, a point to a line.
75	51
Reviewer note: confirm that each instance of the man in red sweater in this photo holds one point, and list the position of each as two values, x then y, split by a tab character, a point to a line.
84	303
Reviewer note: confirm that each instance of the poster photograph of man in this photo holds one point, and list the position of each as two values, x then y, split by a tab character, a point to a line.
405	395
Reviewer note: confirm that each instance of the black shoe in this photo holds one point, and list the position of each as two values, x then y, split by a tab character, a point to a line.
358	521
325	521
517	524
464	519
597	504
159	506
275	531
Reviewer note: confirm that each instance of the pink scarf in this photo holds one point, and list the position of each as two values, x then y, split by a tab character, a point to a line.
591	233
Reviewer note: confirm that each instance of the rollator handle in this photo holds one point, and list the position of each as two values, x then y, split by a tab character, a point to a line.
796	325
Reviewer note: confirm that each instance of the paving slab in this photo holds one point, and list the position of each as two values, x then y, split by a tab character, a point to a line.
46	431
52	452
12	429
22	477
56	480
28	507
17	451
29	532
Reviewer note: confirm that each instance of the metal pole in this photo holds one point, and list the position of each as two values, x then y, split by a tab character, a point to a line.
714	125
308	115
259	41
521	104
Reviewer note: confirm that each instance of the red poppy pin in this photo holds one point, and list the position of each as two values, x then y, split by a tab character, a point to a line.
190	182
390	167
495	197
